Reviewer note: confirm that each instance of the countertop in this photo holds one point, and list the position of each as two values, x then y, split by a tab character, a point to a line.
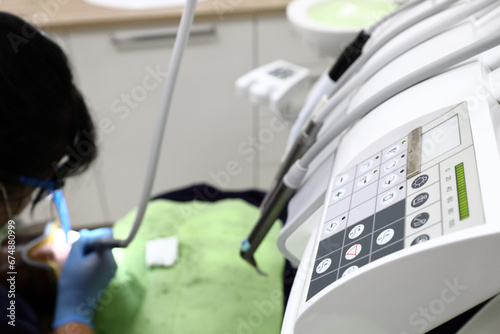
66	14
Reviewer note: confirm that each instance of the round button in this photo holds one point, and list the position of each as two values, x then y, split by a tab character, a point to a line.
356	231
391	165
392	151
385	236
419	200
324	265
420	239
338	194
388	198
364	180
342	179
389	180
353	251
420	220
420	181
366	165
350	270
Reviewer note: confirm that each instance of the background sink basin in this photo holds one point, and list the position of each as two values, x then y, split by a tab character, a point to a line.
137	4
329	25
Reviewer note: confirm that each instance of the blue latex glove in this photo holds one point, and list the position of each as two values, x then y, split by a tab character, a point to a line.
83	279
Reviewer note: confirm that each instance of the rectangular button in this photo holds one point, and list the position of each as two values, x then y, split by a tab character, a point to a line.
425	235
388	235
352	267
423	180
342	179
366	179
319	284
368	164
394	149
333	226
330	245
388	250
326	265
390	214
392	179
358	230
364	195
356	251
422	199
361	212
423	219
337	209
391	196
393	165
341	193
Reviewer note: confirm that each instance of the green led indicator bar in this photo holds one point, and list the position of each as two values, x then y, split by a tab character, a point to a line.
463	204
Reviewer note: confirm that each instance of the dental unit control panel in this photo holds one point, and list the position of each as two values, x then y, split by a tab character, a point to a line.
388	203
404	232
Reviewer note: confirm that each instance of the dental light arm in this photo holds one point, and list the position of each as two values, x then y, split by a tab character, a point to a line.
173	70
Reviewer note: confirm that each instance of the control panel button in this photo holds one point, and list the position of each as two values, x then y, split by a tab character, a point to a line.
388	198
326	265
365	166
391	196
420	220
423	180
353	266
333	226
419	200
420	239
385	236
353	251
356	250
356	231
390	214
323	265
369	164
393	150
338	194
392	165
420	181
388	235
343	179
390	180
350	270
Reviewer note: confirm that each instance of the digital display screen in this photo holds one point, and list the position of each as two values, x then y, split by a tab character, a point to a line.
440	139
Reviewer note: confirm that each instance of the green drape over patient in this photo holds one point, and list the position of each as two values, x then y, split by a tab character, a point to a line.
209	290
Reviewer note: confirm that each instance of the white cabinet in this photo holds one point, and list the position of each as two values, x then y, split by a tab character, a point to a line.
212	136
123	87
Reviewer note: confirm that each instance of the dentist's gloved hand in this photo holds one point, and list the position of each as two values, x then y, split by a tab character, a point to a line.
83	279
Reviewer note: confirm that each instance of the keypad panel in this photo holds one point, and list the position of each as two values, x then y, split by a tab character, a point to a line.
374	211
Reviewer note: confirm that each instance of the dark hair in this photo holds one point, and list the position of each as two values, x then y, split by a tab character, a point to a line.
43	117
